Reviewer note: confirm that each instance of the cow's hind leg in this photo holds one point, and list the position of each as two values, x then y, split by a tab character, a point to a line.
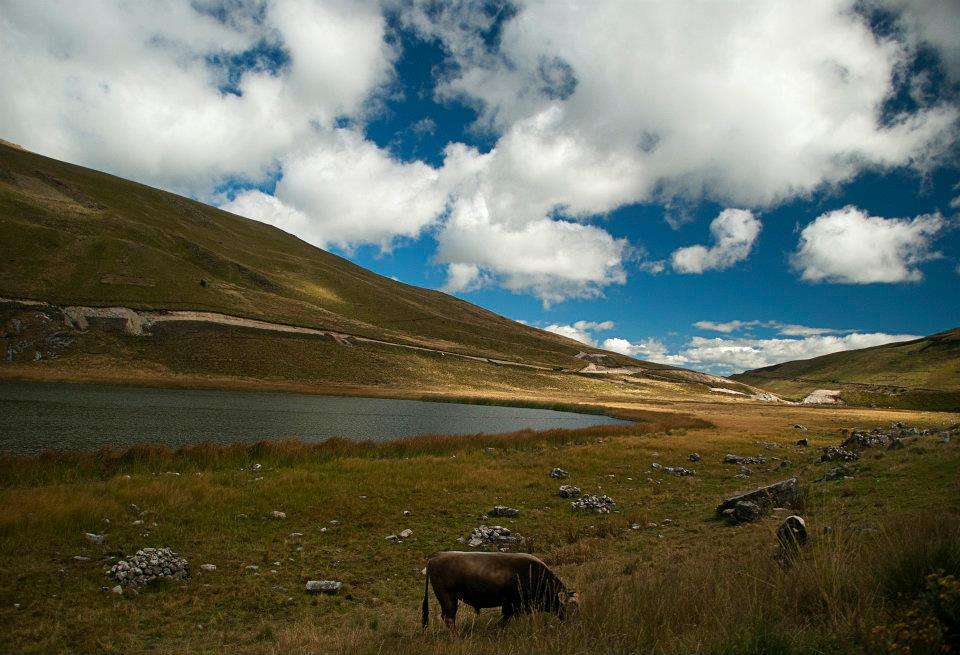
448	608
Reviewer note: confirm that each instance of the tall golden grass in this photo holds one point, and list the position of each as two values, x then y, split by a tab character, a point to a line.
740	601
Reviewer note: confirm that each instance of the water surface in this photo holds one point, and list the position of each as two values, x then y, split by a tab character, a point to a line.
35	416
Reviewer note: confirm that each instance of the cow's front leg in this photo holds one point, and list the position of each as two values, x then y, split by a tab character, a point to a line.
508	610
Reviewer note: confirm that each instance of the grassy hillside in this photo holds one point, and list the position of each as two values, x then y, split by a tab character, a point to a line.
924	372
77	236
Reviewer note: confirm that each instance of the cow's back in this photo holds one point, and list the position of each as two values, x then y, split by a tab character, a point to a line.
485	577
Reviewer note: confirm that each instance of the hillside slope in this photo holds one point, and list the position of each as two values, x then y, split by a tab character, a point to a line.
178	292
909	373
76	236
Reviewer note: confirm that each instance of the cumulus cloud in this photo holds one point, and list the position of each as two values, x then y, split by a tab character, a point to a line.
726	356
734	233
651	350
552	259
603	103
580	330
145	91
848	246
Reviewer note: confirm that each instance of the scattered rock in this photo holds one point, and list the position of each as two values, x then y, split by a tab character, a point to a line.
96	539
278	515
592	503
730	458
407	512
209	568
744	471
117	590
569	491
769	445
797	426
502	511
693	457
678	471
323	586
837	454
490	535
558	473
149	564
400	536
81	558
774	495
823	397
896	443
404	534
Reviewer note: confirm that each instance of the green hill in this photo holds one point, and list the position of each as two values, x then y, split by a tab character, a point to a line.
77	237
920	373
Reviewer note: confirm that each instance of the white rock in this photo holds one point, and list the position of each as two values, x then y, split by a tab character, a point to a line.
117	590
406	533
278	515
94	538
208	567
323	586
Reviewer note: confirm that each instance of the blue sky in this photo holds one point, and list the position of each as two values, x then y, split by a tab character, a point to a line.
668	181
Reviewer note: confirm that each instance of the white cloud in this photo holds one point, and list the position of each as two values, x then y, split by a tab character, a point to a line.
848	246
594	325
354	192
785	329
651	350
734	233
572	332
552	259
726	328
603	103
130	87
580	330
734	355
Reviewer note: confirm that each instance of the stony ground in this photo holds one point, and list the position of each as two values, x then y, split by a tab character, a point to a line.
269	520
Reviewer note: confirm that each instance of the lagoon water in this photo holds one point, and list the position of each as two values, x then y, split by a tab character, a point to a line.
36	416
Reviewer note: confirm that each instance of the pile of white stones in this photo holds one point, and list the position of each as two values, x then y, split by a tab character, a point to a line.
149	564
490	534
591	503
569	491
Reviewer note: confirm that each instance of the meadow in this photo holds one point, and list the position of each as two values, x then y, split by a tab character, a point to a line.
659	574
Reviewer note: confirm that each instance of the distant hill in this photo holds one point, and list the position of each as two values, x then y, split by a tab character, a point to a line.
77	237
923	373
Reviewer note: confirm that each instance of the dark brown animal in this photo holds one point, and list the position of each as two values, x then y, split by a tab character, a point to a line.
514	582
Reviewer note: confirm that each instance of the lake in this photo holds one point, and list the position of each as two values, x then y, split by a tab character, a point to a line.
35	416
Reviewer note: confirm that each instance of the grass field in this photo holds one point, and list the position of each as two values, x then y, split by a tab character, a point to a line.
688	585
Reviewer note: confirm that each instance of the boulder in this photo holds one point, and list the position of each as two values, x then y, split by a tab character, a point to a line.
678	471
743	511
502	511
323	586
569	491
774	495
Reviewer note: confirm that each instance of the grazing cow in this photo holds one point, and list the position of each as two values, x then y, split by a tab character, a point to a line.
515	582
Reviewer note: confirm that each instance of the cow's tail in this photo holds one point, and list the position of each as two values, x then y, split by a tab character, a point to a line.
425	609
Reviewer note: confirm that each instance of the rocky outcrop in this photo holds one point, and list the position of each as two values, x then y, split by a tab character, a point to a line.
764	498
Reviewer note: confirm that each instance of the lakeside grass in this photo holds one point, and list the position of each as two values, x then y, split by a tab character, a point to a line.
700	587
